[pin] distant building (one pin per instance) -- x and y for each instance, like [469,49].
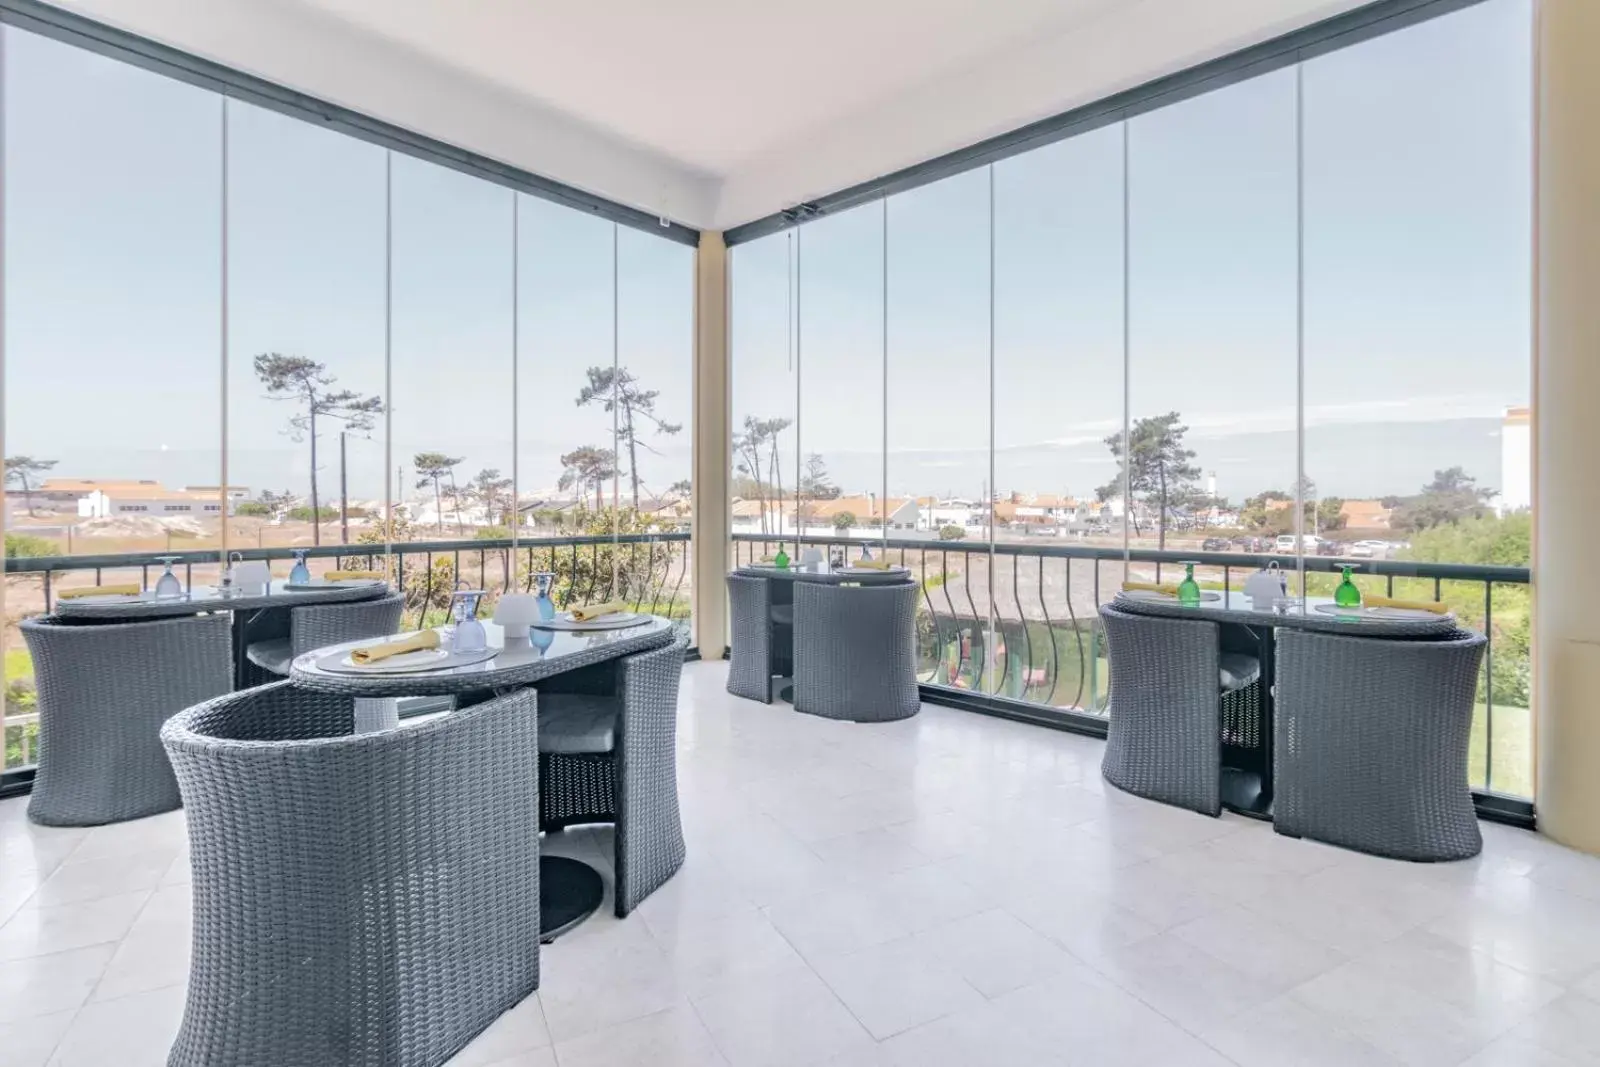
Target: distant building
[1364,515]
[148,499]
[1516,461]
[236,493]
[902,511]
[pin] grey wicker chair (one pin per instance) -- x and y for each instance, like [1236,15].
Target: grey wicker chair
[855,651]
[1371,743]
[750,652]
[608,752]
[320,625]
[359,899]
[1164,739]
[104,689]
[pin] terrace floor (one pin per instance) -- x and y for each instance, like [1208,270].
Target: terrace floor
[952,889]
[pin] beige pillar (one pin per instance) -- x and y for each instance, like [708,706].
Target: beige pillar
[711,447]
[1566,398]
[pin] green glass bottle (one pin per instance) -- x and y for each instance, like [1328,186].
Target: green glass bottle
[1189,589]
[1347,595]
[781,559]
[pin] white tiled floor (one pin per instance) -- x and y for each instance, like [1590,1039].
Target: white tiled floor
[948,890]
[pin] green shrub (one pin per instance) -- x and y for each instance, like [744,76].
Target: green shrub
[23,545]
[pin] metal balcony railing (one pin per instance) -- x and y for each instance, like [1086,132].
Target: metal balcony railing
[649,571]
[1013,628]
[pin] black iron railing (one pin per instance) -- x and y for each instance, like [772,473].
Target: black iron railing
[1013,628]
[648,571]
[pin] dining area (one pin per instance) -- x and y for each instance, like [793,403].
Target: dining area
[844,631]
[365,803]
[1344,719]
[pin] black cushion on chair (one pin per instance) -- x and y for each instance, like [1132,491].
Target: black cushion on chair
[270,655]
[577,724]
[1238,671]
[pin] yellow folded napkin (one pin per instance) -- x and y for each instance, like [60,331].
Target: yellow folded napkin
[99,590]
[375,653]
[1170,588]
[353,576]
[594,611]
[1413,605]
[872,564]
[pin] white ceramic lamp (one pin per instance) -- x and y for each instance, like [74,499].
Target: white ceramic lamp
[516,610]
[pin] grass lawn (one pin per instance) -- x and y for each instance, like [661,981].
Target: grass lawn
[18,664]
[1513,750]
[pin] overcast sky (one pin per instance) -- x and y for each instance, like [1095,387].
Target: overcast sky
[1416,267]
[1416,272]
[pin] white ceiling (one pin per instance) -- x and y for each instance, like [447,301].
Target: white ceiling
[710,112]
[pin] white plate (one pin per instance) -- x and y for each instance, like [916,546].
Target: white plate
[423,659]
[1378,613]
[1164,598]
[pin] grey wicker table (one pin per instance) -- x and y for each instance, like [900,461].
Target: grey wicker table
[206,598]
[1235,607]
[827,573]
[781,597]
[567,895]
[1247,758]
[246,608]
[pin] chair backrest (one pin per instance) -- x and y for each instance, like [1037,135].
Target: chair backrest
[751,602]
[882,609]
[316,626]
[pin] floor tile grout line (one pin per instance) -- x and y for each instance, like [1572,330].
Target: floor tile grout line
[120,941]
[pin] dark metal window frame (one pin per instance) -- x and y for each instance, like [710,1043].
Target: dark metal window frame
[1330,35]
[92,36]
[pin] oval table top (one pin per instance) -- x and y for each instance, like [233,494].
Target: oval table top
[524,656]
[827,573]
[1236,607]
[205,598]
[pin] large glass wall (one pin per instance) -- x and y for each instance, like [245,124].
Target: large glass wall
[230,329]
[1286,319]
[1417,362]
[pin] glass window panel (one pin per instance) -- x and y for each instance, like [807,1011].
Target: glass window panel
[1058,395]
[655,354]
[306,319]
[113,342]
[764,392]
[1213,252]
[938,412]
[451,366]
[841,379]
[1417,365]
[565,332]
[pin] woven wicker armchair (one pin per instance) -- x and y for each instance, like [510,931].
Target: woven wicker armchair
[104,690]
[317,626]
[1371,743]
[1164,740]
[608,742]
[359,899]
[750,653]
[855,651]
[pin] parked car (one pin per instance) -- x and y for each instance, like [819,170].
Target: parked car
[1326,547]
[1369,549]
[1252,544]
[1215,544]
[1284,544]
